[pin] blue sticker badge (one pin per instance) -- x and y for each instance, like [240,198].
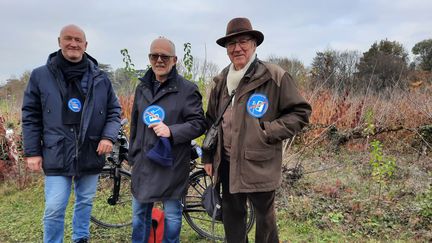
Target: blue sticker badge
[199,151]
[74,105]
[257,105]
[153,114]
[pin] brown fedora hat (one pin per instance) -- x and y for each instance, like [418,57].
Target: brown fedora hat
[240,26]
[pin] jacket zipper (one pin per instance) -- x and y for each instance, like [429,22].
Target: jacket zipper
[76,150]
[78,134]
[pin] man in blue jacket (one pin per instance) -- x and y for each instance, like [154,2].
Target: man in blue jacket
[70,119]
[166,115]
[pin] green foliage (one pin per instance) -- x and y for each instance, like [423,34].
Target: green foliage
[131,73]
[424,51]
[384,66]
[369,121]
[188,60]
[425,203]
[426,133]
[11,94]
[188,63]
[336,217]
[130,67]
[383,166]
[323,68]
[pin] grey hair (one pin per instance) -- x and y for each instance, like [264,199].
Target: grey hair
[173,49]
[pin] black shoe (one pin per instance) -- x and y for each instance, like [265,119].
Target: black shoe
[83,240]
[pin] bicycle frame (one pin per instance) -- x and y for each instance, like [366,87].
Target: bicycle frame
[115,181]
[116,158]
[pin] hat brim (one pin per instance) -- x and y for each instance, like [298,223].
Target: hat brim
[259,37]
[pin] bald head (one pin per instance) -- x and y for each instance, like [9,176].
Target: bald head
[162,58]
[162,41]
[72,42]
[74,28]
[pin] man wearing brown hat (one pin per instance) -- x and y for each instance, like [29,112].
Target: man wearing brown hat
[265,110]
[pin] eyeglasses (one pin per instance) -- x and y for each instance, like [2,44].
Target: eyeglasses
[242,42]
[155,57]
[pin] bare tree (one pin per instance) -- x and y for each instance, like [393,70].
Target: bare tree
[336,68]
[201,69]
[293,66]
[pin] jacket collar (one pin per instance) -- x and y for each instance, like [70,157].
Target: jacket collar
[255,76]
[249,73]
[94,70]
[170,85]
[93,62]
[150,76]
[92,75]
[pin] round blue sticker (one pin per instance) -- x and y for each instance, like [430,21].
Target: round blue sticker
[74,105]
[257,105]
[153,114]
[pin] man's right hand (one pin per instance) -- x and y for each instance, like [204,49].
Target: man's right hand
[208,169]
[34,163]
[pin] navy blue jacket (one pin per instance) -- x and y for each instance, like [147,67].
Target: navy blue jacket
[182,103]
[66,149]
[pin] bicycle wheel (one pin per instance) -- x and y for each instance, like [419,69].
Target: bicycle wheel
[107,214]
[196,216]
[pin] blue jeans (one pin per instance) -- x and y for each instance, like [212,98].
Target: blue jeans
[57,192]
[141,221]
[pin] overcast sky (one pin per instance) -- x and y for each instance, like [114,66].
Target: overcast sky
[294,29]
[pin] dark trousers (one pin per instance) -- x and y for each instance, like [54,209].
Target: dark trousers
[234,213]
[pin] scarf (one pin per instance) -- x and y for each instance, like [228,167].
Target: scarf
[234,76]
[74,99]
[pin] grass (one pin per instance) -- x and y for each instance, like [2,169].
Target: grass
[344,200]
[21,212]
[333,205]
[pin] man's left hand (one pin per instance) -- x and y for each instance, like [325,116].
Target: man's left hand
[161,129]
[104,147]
[208,169]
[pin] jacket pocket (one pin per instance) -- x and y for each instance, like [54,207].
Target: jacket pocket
[53,152]
[256,137]
[90,159]
[259,166]
[259,154]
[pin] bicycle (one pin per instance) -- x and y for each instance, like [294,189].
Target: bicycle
[112,205]
[194,212]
